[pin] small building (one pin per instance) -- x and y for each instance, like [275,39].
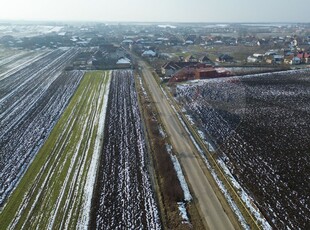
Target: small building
[251,59]
[123,62]
[191,58]
[271,53]
[225,58]
[295,61]
[274,59]
[259,56]
[278,59]
[255,58]
[269,59]
[169,68]
[189,42]
[206,60]
[288,59]
[172,67]
[206,73]
[148,53]
[127,42]
[198,72]
[304,57]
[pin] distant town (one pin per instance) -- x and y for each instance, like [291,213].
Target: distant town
[170,48]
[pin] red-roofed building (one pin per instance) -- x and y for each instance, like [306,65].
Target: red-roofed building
[304,57]
[196,72]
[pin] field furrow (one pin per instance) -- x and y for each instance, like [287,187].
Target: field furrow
[124,197]
[258,126]
[31,102]
[53,193]
[15,63]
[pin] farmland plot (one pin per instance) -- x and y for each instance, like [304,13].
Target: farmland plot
[10,64]
[261,127]
[15,63]
[124,198]
[31,101]
[56,191]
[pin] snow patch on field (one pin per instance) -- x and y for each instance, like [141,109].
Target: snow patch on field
[180,175]
[126,198]
[232,204]
[245,197]
[183,212]
[31,102]
[142,87]
[187,195]
[211,147]
[161,131]
[274,104]
[91,175]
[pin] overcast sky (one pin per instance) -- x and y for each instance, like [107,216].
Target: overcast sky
[158,10]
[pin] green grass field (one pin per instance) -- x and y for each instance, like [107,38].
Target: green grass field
[56,190]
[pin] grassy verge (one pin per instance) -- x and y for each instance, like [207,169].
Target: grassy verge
[51,193]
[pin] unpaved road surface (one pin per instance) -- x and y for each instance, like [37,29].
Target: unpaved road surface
[211,209]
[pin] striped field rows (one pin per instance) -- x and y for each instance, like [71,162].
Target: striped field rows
[56,190]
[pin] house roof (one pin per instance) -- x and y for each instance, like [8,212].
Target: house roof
[205,59]
[178,65]
[127,41]
[149,52]
[123,61]
[190,57]
[303,55]
[278,56]
[171,65]
[225,56]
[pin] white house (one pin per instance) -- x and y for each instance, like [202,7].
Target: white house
[127,42]
[189,42]
[259,56]
[123,60]
[252,59]
[149,53]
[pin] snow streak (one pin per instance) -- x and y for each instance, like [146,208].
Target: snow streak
[125,196]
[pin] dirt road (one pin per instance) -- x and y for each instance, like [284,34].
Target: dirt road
[211,209]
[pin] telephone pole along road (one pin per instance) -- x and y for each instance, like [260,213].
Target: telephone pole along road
[210,208]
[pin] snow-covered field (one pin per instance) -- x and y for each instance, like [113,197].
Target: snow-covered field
[259,125]
[12,61]
[24,30]
[58,187]
[31,101]
[124,196]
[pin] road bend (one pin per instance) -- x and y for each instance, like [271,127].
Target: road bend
[210,207]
